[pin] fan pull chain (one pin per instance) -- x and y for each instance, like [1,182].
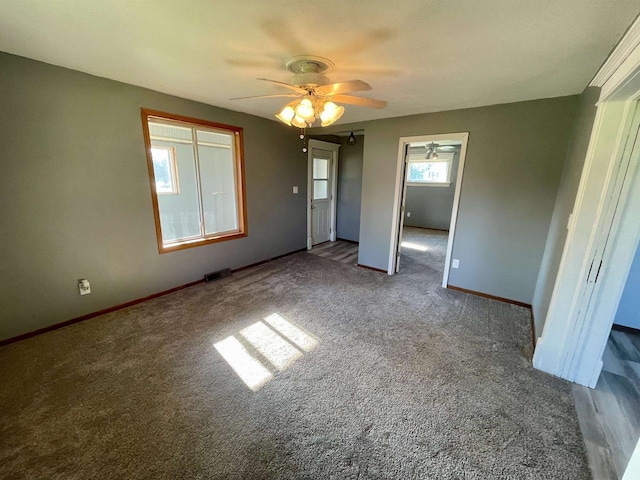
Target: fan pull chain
[304,141]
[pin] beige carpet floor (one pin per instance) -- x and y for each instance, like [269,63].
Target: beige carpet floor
[301,368]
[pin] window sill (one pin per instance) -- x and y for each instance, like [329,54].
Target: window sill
[424,184]
[172,247]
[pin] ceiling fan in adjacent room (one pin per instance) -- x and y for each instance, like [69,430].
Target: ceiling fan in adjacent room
[433,148]
[315,97]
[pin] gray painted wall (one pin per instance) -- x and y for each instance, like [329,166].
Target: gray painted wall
[508,192]
[628,314]
[76,200]
[431,207]
[349,189]
[564,202]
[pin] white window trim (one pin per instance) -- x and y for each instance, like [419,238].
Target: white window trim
[420,158]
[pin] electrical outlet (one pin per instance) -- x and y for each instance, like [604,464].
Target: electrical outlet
[84,286]
[455,263]
[295,189]
[408,214]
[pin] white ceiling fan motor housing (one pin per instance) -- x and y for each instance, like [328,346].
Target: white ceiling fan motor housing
[309,70]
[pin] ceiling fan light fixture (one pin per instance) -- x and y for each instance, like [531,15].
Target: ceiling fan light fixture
[331,113]
[298,121]
[305,110]
[329,108]
[286,114]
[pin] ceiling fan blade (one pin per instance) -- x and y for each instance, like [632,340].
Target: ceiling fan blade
[359,101]
[286,85]
[344,87]
[267,96]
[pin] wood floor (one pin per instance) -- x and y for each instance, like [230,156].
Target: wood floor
[340,251]
[609,415]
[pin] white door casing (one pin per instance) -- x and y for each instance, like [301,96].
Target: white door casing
[322,192]
[403,207]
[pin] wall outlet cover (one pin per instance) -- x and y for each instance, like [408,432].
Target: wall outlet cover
[84,287]
[295,189]
[408,214]
[455,263]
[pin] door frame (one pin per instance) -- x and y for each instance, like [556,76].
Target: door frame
[577,327]
[402,208]
[334,148]
[403,142]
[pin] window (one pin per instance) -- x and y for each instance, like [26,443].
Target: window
[321,178]
[434,172]
[197,180]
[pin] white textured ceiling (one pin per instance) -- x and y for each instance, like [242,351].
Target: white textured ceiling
[420,56]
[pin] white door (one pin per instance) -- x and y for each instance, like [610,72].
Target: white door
[321,193]
[403,201]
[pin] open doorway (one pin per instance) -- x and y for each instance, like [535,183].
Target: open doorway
[322,192]
[430,172]
[344,179]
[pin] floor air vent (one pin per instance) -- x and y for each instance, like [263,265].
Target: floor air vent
[210,277]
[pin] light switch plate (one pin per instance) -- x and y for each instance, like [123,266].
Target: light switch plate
[295,189]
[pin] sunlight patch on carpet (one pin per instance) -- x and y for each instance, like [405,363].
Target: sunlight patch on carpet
[281,343]
[293,333]
[248,368]
[275,348]
[414,246]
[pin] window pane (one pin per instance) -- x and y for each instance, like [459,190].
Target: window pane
[320,168]
[180,213]
[428,172]
[217,177]
[163,169]
[320,189]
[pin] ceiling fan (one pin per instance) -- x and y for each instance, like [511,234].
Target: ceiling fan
[314,95]
[433,148]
